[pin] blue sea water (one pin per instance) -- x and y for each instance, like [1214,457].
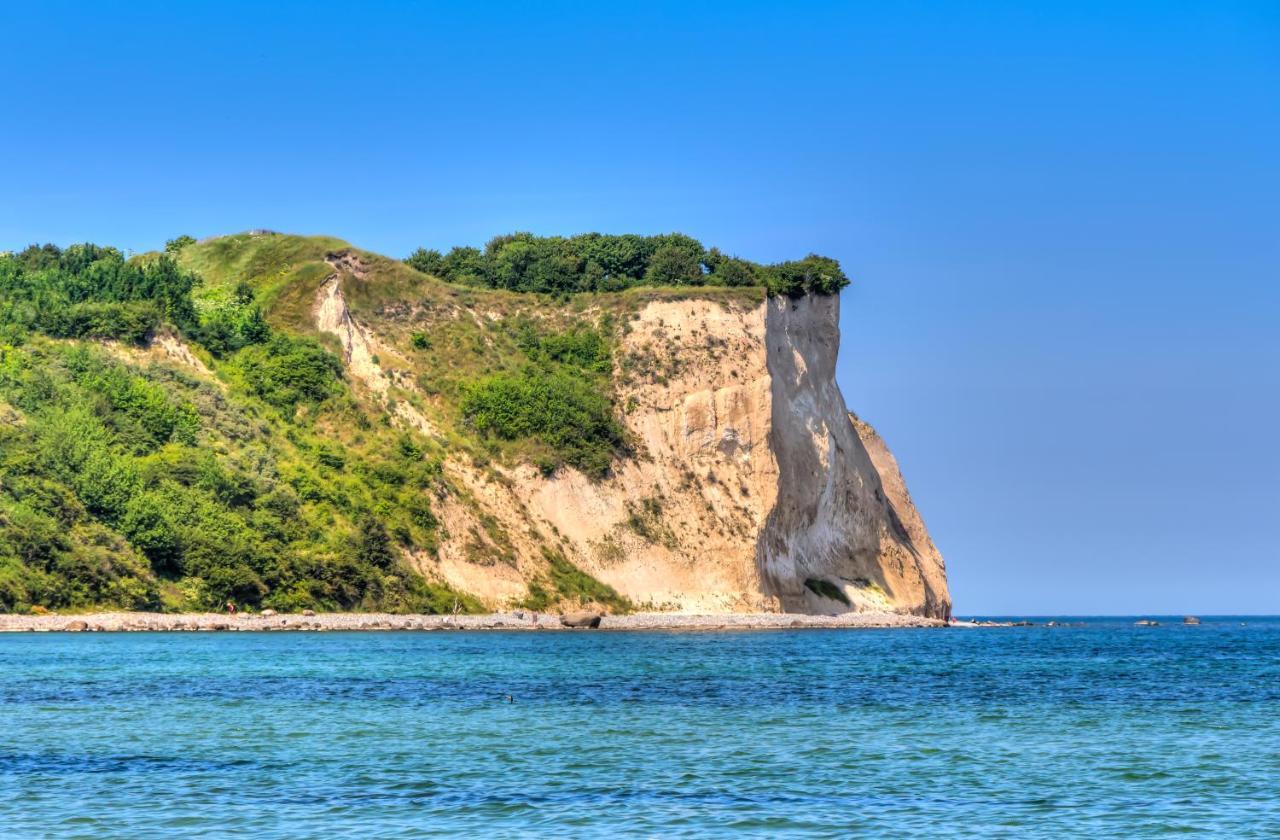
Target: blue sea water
[1104,729]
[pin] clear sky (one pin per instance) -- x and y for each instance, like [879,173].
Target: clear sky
[1062,219]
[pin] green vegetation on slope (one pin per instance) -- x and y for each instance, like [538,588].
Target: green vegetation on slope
[144,487]
[595,262]
[566,583]
[529,388]
[270,274]
[561,398]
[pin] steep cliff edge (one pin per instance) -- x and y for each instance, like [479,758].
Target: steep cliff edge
[843,531]
[748,486]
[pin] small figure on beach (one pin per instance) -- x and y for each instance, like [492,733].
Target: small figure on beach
[231,608]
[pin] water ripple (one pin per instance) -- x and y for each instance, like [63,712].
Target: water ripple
[1102,729]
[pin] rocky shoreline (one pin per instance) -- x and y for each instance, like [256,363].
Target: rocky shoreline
[519,620]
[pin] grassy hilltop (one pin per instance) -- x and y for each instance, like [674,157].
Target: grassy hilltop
[175,432]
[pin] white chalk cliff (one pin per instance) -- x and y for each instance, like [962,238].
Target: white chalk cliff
[751,487]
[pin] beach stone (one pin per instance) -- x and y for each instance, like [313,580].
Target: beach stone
[267,613]
[76,626]
[308,612]
[581,619]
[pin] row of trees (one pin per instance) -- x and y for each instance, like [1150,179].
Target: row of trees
[88,291]
[594,262]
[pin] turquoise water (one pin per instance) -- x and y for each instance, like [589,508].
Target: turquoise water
[1105,729]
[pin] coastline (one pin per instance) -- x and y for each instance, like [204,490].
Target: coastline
[506,621]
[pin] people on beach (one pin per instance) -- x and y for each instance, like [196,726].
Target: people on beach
[231,608]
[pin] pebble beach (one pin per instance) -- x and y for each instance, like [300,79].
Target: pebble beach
[519,620]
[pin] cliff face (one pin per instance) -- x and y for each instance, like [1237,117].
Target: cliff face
[843,530]
[328,428]
[751,487]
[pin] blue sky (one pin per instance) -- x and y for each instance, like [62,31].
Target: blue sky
[1062,219]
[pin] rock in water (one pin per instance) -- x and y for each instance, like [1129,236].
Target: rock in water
[581,619]
[76,626]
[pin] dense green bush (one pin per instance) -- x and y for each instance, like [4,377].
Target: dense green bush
[231,323]
[427,260]
[678,261]
[560,400]
[565,411]
[290,370]
[131,322]
[813,274]
[143,489]
[580,346]
[601,262]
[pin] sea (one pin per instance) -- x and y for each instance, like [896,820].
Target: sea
[1098,728]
